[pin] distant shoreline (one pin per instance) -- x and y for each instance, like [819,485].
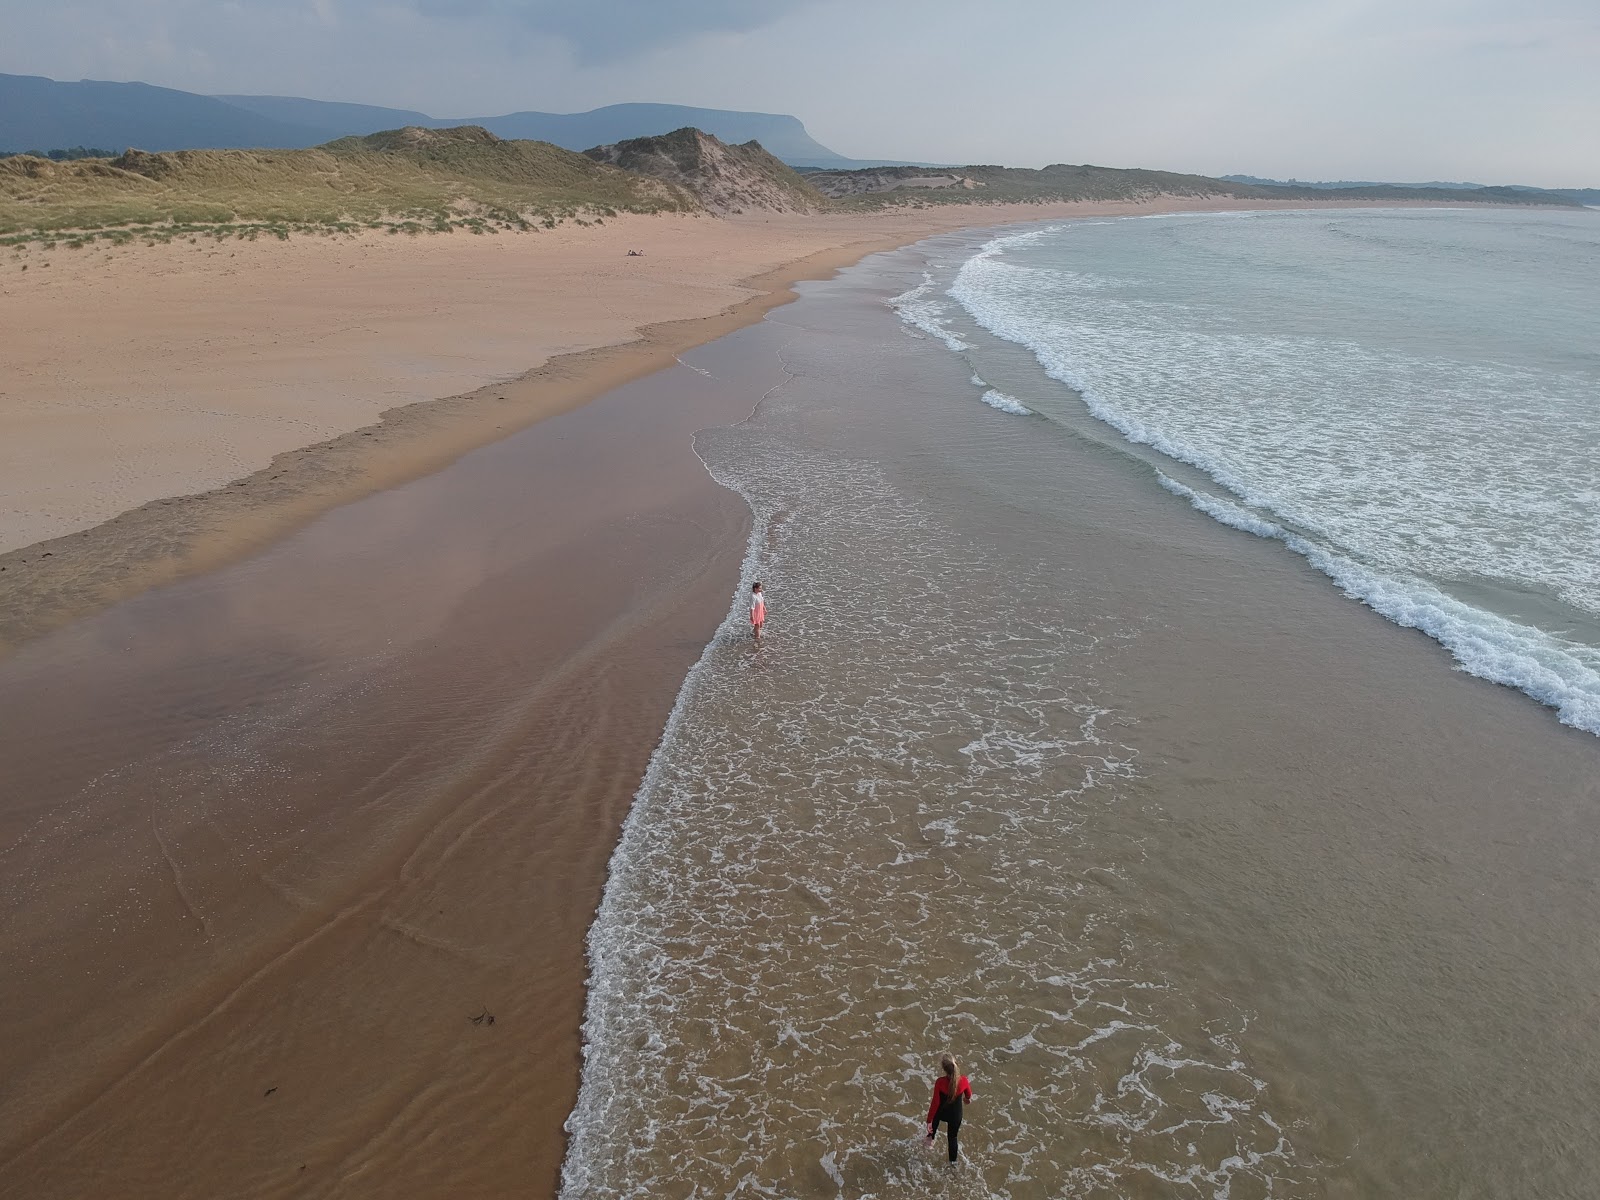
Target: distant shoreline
[170,409]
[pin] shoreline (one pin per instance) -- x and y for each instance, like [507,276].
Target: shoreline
[427,850]
[1314,802]
[339,799]
[47,583]
[175,537]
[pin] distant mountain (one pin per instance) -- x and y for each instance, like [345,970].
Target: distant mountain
[1589,196]
[332,118]
[40,114]
[783,136]
[780,135]
[43,114]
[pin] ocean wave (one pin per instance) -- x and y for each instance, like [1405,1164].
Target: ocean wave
[1390,489]
[1484,644]
[812,812]
[1005,403]
[920,307]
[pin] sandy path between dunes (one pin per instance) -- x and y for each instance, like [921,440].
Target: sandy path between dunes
[203,370]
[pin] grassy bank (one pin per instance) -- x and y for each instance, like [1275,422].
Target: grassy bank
[406,181]
[422,180]
[888,187]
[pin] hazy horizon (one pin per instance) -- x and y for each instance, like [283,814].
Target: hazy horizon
[1485,91]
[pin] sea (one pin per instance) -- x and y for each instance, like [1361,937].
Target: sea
[1411,400]
[1179,702]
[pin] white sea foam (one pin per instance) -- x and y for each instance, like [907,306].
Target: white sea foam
[1376,458]
[1006,403]
[1484,644]
[924,308]
[814,815]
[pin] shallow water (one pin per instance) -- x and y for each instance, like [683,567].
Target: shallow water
[1028,768]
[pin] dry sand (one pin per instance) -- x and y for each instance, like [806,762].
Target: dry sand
[135,376]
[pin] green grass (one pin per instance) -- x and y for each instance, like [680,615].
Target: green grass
[1064,182]
[1015,185]
[410,179]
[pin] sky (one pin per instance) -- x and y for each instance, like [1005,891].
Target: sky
[1491,91]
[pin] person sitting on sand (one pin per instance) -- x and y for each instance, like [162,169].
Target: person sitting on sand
[949,1092]
[758,609]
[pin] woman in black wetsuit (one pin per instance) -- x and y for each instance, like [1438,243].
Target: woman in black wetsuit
[951,1092]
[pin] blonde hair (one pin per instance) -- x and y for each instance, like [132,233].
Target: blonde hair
[948,1062]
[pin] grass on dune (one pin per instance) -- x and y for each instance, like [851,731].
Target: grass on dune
[408,180]
[1066,182]
[1061,182]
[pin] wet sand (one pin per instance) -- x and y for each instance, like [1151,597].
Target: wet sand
[299,855]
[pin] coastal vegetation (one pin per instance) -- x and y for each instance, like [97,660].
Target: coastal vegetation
[881,187]
[1395,191]
[884,186]
[70,154]
[408,180]
[1589,197]
[416,179]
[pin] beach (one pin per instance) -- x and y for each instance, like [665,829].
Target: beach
[316,775]
[1217,880]
[150,944]
[165,409]
[264,903]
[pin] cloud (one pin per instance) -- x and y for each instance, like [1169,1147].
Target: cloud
[603,31]
[1491,90]
[1569,35]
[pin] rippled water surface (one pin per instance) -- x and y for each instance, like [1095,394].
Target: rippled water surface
[827,867]
[1411,398]
[1039,765]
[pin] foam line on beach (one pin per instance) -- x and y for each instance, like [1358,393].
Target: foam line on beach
[770,888]
[1005,403]
[1561,673]
[607,1024]
[1488,646]
[920,307]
